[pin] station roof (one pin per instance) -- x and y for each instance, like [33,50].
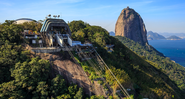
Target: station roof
[54,22]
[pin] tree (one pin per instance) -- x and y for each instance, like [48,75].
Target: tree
[10,54]
[11,90]
[29,74]
[64,96]
[38,27]
[41,90]
[8,22]
[40,21]
[97,97]
[72,90]
[30,78]
[34,26]
[99,39]
[76,25]
[79,35]
[79,94]
[11,33]
[58,86]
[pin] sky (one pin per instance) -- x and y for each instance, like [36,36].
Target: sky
[158,15]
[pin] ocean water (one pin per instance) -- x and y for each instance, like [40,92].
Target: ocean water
[174,49]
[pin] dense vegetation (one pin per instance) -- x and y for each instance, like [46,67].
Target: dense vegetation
[82,31]
[23,77]
[144,77]
[175,71]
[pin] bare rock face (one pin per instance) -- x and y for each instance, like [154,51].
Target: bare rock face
[131,25]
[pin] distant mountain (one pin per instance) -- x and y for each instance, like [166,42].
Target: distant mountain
[173,37]
[154,36]
[181,35]
[131,25]
[111,33]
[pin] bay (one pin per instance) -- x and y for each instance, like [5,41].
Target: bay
[174,49]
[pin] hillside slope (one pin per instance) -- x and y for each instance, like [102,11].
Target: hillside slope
[152,82]
[144,77]
[175,71]
[25,76]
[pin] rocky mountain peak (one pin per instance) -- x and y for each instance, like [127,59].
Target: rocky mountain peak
[131,25]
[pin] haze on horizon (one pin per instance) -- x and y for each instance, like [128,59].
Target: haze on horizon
[158,15]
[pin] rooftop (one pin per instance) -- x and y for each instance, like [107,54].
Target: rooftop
[25,19]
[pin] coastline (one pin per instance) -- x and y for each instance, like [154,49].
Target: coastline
[174,49]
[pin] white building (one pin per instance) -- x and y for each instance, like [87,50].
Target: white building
[22,20]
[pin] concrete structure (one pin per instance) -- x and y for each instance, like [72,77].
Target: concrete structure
[110,48]
[33,38]
[76,43]
[44,49]
[54,36]
[53,26]
[56,32]
[22,20]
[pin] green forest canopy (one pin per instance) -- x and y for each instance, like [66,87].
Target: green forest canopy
[146,74]
[175,71]
[34,81]
[23,77]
